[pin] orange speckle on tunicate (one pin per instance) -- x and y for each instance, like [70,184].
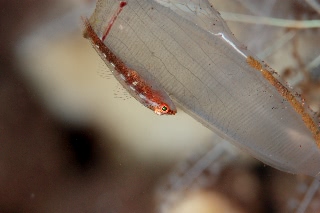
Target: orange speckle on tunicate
[285,93]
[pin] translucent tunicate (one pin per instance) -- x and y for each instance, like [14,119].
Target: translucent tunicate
[189,49]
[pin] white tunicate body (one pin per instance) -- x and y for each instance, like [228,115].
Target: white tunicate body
[188,48]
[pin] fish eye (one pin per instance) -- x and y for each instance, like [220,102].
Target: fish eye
[164,108]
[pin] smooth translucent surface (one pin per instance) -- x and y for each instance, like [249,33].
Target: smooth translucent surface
[190,50]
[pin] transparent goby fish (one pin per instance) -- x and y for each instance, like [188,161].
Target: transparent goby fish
[188,48]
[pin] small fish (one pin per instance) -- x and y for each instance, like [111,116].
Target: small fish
[146,90]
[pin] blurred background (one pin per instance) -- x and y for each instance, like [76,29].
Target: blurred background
[72,140]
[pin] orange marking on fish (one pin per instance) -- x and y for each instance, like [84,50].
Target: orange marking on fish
[145,92]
